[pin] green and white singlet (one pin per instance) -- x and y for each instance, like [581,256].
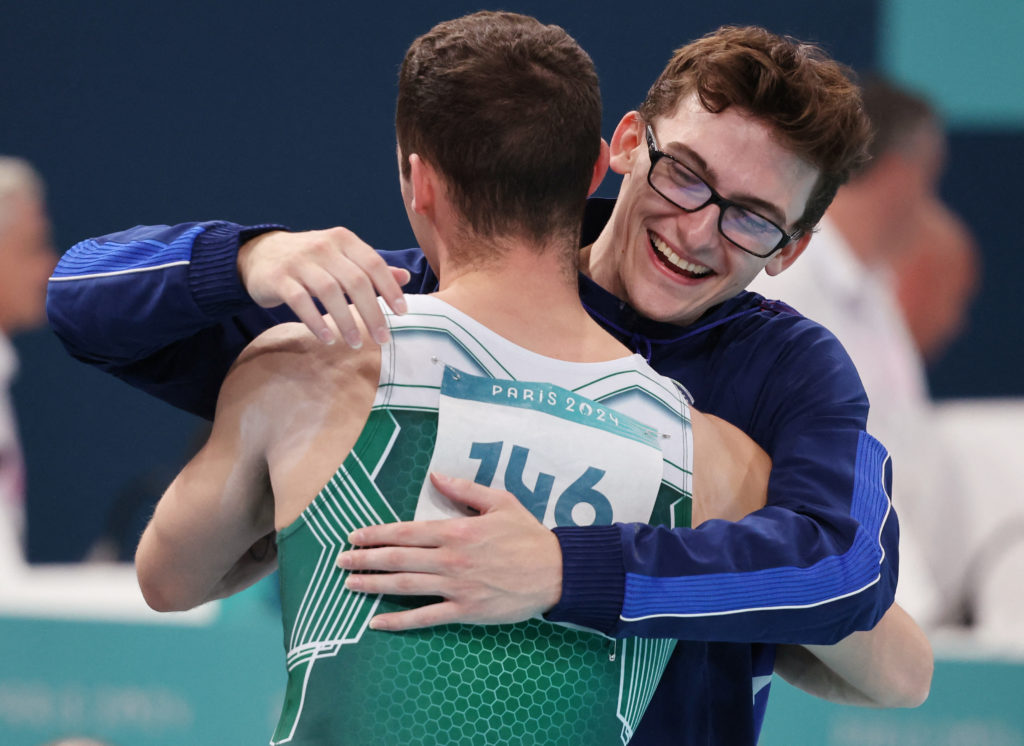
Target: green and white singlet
[606,442]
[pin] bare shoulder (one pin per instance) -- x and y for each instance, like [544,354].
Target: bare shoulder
[289,355]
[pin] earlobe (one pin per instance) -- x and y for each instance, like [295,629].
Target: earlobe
[421,179]
[787,255]
[625,140]
[600,168]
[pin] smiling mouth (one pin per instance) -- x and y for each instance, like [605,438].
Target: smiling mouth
[675,262]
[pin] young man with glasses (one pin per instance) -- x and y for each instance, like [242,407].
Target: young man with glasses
[667,278]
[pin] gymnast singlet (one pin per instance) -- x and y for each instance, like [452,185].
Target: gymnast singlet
[577,444]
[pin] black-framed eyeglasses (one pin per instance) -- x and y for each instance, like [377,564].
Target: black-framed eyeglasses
[744,228]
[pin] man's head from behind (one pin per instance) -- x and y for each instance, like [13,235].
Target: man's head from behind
[508,111]
[26,251]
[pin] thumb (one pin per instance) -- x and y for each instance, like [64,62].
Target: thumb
[463,491]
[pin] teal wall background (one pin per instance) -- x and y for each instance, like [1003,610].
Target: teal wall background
[967,57]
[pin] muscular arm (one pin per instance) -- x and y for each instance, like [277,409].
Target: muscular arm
[289,411]
[207,536]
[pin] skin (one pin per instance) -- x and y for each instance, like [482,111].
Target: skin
[328,265]
[936,277]
[26,260]
[738,156]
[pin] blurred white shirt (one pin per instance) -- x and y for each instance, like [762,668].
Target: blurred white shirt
[12,465]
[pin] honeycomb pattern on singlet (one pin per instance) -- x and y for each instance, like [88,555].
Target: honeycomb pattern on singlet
[508,697]
[528,683]
[407,466]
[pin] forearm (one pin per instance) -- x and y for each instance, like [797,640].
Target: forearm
[179,571]
[778,576]
[212,531]
[161,307]
[888,666]
[122,296]
[175,572]
[168,309]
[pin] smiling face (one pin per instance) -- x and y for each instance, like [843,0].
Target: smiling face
[671,265]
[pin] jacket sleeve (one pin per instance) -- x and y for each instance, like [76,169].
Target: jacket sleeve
[163,308]
[817,563]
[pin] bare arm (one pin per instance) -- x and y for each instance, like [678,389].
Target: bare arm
[288,412]
[207,537]
[888,666]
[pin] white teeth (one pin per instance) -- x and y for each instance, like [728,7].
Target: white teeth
[665,251]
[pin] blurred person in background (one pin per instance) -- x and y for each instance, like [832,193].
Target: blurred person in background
[936,275]
[26,259]
[886,214]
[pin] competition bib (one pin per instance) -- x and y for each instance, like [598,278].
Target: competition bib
[570,460]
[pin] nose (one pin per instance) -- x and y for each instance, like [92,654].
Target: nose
[701,227]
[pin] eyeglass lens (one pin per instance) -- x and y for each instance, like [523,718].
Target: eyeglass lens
[684,188]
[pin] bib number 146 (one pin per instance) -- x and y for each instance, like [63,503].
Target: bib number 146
[569,507]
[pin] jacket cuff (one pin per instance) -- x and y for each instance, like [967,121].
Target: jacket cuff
[213,270]
[593,577]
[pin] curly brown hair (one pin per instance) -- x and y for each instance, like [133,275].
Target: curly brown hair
[811,102]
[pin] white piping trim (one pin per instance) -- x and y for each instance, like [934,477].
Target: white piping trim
[881,547]
[121,272]
[755,608]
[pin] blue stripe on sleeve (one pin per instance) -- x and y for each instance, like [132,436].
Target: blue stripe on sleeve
[93,257]
[828,580]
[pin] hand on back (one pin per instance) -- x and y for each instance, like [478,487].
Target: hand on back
[333,266]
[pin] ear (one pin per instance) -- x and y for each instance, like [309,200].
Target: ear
[423,182]
[600,168]
[787,255]
[626,139]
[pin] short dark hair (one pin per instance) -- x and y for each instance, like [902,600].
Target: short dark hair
[509,110]
[896,114]
[811,102]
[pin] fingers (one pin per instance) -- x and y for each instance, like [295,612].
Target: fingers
[401,277]
[466,492]
[404,534]
[321,282]
[333,266]
[444,612]
[391,559]
[396,584]
[355,270]
[301,302]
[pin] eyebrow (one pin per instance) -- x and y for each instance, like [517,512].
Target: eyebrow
[750,201]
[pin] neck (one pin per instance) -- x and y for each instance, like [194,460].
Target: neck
[532,299]
[600,260]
